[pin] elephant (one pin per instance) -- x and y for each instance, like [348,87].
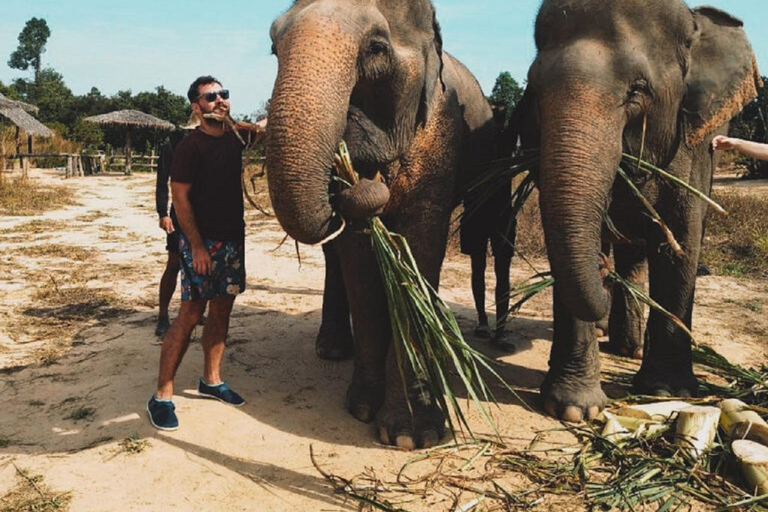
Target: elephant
[632,76]
[417,124]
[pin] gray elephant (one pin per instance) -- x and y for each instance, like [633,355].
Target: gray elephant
[606,73]
[414,119]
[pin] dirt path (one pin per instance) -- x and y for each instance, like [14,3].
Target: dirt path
[78,360]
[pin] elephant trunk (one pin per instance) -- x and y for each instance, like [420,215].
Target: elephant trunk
[307,119]
[580,152]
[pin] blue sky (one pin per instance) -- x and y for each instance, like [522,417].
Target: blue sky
[141,44]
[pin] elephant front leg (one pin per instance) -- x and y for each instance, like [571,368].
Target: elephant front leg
[334,340]
[625,329]
[370,319]
[667,367]
[571,391]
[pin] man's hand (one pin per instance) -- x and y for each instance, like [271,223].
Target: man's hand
[166,224]
[201,261]
[721,143]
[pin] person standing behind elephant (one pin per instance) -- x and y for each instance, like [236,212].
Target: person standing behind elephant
[208,198]
[492,220]
[749,148]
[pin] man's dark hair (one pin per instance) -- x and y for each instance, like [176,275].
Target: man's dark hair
[193,93]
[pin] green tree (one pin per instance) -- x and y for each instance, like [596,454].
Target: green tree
[32,40]
[50,94]
[507,92]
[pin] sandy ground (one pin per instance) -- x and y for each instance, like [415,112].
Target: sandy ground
[74,380]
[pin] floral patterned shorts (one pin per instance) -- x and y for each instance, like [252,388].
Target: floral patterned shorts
[227,277]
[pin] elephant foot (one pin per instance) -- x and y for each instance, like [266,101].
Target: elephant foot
[420,426]
[666,383]
[334,343]
[571,401]
[622,349]
[364,401]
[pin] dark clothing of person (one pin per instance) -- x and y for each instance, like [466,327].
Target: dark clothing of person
[213,165]
[492,220]
[172,239]
[161,185]
[161,195]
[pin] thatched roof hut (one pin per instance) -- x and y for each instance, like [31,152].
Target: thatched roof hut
[8,103]
[18,113]
[129,119]
[31,126]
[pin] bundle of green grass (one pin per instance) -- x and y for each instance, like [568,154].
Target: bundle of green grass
[425,332]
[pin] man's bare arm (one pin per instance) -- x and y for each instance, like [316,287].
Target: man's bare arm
[201,260]
[747,147]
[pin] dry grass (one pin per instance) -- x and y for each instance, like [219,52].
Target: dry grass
[89,217]
[62,307]
[31,494]
[24,196]
[47,251]
[36,227]
[737,244]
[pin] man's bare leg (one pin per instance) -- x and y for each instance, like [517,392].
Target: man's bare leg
[215,336]
[175,344]
[168,283]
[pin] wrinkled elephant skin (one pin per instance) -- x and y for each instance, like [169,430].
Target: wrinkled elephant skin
[373,74]
[604,71]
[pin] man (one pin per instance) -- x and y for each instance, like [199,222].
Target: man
[208,199]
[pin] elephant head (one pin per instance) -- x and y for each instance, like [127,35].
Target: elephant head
[606,72]
[361,71]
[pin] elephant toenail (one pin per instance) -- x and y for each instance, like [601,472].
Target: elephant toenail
[592,412]
[362,413]
[550,408]
[663,392]
[572,414]
[405,442]
[684,393]
[384,436]
[429,438]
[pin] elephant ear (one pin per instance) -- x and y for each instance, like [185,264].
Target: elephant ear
[433,61]
[723,75]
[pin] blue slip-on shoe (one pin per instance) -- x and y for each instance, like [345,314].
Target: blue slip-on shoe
[161,414]
[220,392]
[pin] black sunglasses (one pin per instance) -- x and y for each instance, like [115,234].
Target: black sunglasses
[210,97]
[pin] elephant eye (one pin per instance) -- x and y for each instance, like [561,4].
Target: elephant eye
[638,89]
[377,47]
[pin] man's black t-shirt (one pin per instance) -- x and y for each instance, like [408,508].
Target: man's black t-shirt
[212,165]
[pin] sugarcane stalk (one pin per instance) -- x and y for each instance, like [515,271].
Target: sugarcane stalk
[738,421]
[655,217]
[658,411]
[696,428]
[753,458]
[674,179]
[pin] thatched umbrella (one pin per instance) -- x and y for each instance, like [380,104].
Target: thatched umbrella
[129,119]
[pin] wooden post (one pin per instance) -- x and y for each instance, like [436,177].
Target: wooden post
[69,167]
[17,138]
[128,152]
